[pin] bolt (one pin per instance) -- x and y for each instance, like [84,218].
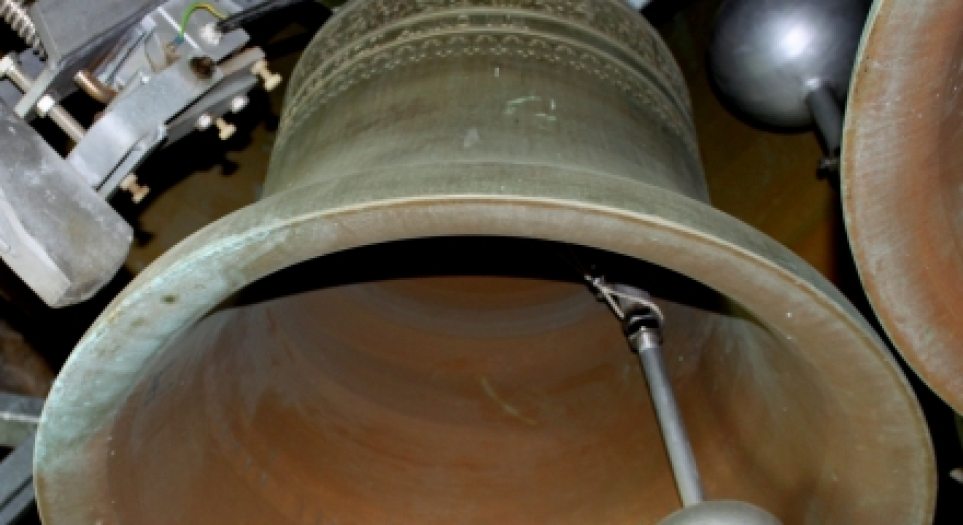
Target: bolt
[225,130]
[238,103]
[132,186]
[203,67]
[210,34]
[7,63]
[271,80]
[204,122]
[45,104]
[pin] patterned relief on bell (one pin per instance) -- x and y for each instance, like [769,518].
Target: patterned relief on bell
[319,88]
[348,31]
[449,23]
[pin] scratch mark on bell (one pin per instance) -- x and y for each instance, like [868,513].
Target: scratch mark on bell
[506,407]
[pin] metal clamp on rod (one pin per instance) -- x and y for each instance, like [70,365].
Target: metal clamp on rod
[642,323]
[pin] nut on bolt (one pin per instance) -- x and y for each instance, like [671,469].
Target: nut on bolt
[45,104]
[238,103]
[204,122]
[210,34]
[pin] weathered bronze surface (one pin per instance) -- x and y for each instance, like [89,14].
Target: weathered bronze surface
[903,183]
[430,354]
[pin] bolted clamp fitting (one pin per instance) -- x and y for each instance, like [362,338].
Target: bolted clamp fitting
[643,328]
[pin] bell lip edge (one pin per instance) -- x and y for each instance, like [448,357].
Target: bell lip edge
[146,289]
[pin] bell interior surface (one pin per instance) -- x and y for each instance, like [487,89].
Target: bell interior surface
[400,331]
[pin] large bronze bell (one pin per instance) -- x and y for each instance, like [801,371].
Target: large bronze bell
[400,331]
[903,183]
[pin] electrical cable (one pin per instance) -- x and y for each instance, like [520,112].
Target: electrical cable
[191,9]
[242,18]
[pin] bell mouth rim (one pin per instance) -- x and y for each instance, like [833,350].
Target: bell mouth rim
[307,222]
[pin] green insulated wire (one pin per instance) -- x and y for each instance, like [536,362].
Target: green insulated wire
[191,9]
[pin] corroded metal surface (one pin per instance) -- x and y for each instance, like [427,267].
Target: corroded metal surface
[903,183]
[414,365]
